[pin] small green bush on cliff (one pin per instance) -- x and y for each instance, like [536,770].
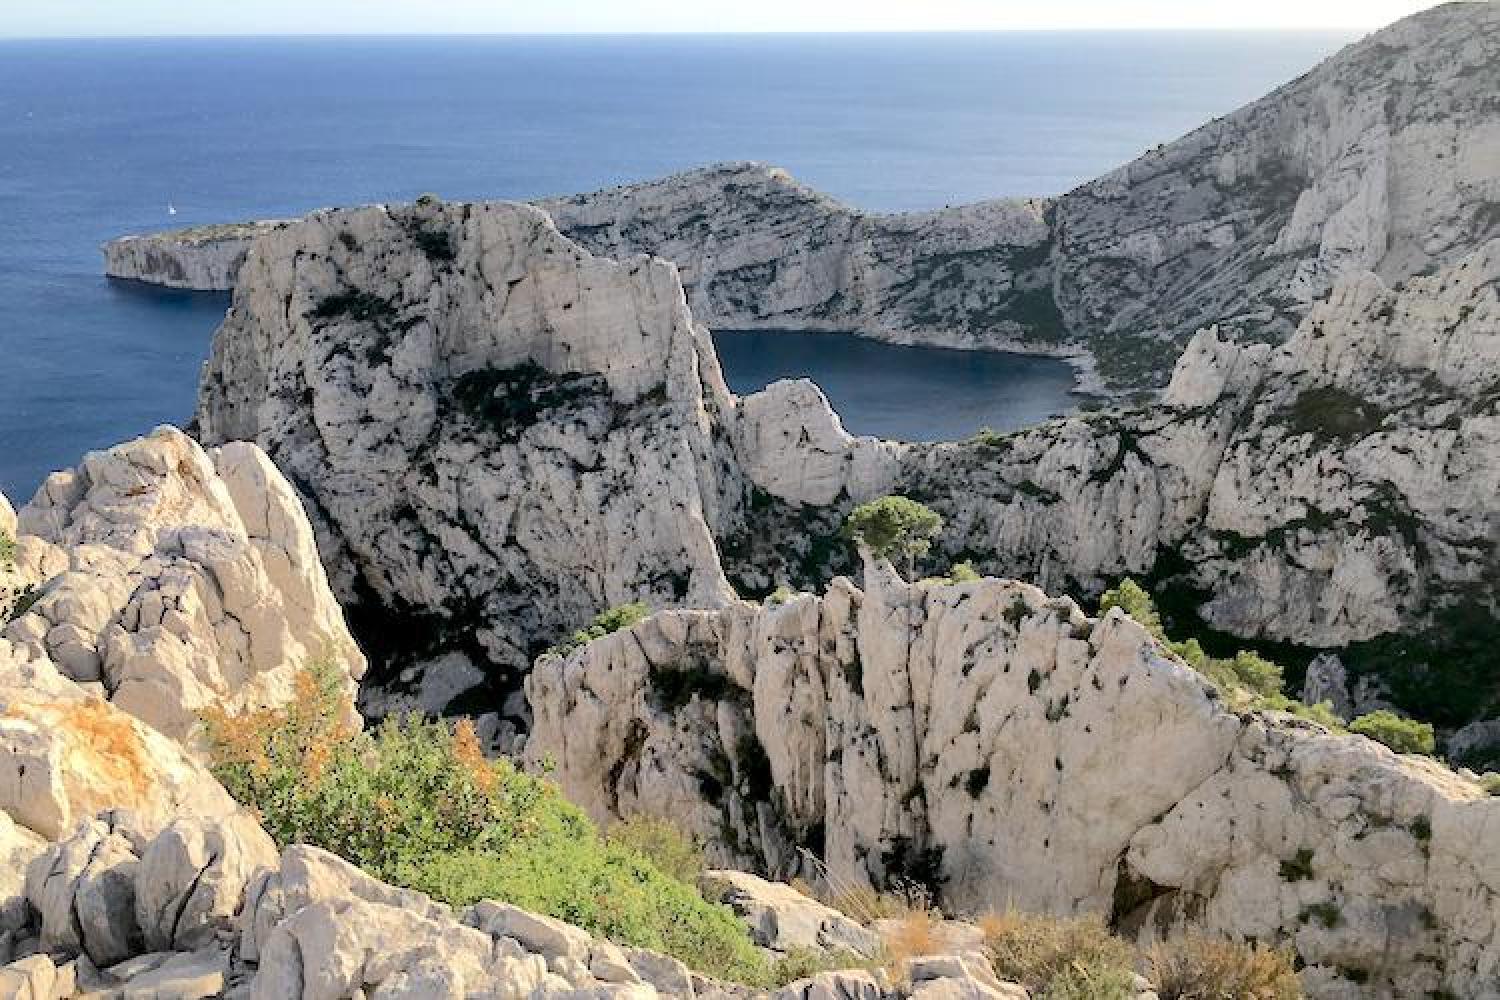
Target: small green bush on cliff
[416,803]
[7,549]
[611,620]
[1401,735]
[1249,675]
[666,844]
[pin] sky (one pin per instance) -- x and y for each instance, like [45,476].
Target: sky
[71,18]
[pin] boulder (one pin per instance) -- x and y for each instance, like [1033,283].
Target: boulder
[782,919]
[191,580]
[192,879]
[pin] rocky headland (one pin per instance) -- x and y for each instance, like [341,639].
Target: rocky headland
[1384,158]
[201,258]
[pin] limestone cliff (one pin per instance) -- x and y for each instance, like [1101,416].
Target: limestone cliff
[1384,158]
[206,258]
[499,433]
[757,249]
[999,743]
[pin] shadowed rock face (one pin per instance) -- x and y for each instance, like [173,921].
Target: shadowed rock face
[1002,745]
[1384,158]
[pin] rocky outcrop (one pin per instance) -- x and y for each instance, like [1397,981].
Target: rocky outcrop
[168,580]
[1330,490]
[784,920]
[759,250]
[1384,158]
[114,921]
[1003,746]
[499,433]
[206,258]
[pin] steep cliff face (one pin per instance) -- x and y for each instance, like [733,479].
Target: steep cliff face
[206,258]
[1384,158]
[757,249]
[1000,743]
[1330,490]
[500,434]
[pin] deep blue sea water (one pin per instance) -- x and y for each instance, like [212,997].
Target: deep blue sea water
[893,392]
[98,137]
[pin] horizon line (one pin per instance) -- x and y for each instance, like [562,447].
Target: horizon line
[767,33]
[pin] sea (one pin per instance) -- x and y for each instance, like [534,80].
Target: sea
[100,138]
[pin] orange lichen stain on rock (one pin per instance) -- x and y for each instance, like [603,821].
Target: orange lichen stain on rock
[102,747]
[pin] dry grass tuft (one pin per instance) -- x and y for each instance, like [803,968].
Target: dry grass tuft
[1034,950]
[912,936]
[1195,966]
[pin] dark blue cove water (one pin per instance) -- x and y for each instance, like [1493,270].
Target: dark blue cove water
[98,137]
[903,393]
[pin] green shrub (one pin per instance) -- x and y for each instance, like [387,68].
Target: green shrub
[780,596]
[895,528]
[963,572]
[7,549]
[1401,735]
[988,437]
[1490,782]
[1131,598]
[612,620]
[565,871]
[1091,982]
[1245,673]
[417,804]
[804,963]
[664,843]
[1322,713]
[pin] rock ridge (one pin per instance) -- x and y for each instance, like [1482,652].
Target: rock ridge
[1004,747]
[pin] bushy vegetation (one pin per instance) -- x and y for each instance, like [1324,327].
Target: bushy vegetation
[895,528]
[1401,735]
[1036,950]
[663,843]
[417,804]
[7,549]
[611,620]
[1091,982]
[1247,678]
[959,572]
[780,596]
